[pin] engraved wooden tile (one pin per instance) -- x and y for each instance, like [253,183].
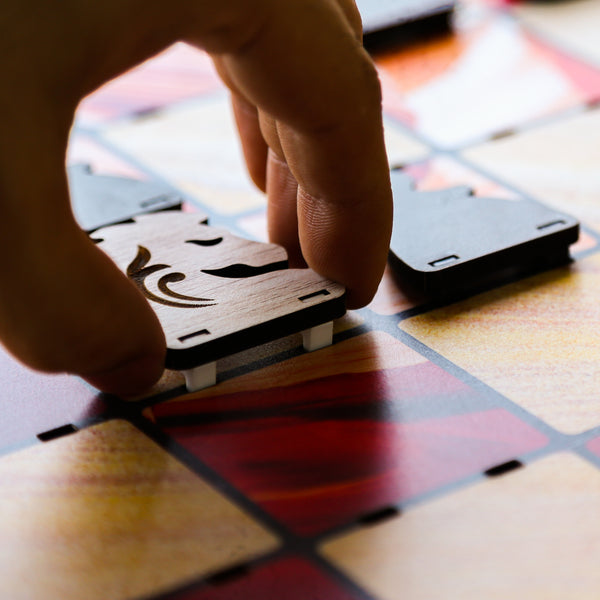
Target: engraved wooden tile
[214,293]
[106,513]
[535,341]
[533,533]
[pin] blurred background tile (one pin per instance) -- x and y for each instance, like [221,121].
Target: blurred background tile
[488,76]
[557,163]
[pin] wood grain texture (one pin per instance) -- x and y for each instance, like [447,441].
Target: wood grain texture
[531,534]
[106,513]
[216,294]
[534,341]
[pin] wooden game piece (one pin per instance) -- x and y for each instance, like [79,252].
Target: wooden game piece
[216,294]
[450,240]
[101,200]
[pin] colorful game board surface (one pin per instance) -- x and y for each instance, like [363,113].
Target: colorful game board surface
[435,450]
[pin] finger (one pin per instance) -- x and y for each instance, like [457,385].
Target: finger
[64,307]
[254,147]
[352,15]
[300,63]
[282,215]
[324,93]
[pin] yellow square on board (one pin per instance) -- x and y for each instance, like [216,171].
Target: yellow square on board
[535,341]
[533,534]
[557,163]
[401,148]
[195,148]
[107,514]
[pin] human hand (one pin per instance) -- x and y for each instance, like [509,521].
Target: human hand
[306,98]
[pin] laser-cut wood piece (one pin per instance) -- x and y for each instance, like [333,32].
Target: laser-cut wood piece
[450,240]
[216,294]
[101,200]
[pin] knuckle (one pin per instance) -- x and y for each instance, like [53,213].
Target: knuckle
[231,29]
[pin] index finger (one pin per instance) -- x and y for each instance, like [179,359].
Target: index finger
[302,65]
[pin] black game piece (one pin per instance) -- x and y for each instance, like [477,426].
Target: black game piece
[383,17]
[100,200]
[450,240]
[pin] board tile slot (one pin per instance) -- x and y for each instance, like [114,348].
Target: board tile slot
[442,262]
[504,468]
[313,295]
[551,224]
[59,432]
[189,336]
[389,512]
[226,576]
[153,201]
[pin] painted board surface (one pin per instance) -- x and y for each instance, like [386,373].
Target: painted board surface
[357,472]
[106,513]
[519,531]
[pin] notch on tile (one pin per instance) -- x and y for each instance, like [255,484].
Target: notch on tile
[442,262]
[228,575]
[506,467]
[384,514]
[59,432]
[190,336]
[552,224]
[313,295]
[503,133]
[162,199]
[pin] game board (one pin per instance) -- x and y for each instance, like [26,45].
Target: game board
[435,450]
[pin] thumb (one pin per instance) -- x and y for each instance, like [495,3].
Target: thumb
[64,306]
